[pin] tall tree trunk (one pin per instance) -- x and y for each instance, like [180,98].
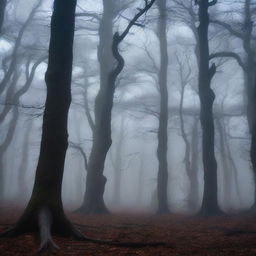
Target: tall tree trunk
[162,179]
[207,96]
[44,210]
[95,182]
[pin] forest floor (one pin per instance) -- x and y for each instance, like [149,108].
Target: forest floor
[213,236]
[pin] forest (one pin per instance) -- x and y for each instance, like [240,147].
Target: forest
[128,127]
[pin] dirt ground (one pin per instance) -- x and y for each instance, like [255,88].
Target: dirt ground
[226,235]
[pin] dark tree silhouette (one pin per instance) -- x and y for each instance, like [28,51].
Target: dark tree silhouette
[162,179]
[44,211]
[207,96]
[247,64]
[95,182]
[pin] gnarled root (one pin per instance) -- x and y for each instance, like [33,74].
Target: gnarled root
[45,223]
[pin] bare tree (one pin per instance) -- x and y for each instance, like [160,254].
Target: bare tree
[44,211]
[210,198]
[163,115]
[95,183]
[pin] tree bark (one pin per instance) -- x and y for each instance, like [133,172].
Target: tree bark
[207,96]
[95,182]
[162,178]
[44,211]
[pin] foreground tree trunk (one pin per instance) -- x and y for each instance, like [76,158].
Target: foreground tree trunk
[44,211]
[207,96]
[162,179]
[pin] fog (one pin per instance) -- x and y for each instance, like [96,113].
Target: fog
[132,158]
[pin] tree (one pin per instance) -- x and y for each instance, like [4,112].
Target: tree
[163,115]
[248,66]
[44,211]
[207,96]
[95,182]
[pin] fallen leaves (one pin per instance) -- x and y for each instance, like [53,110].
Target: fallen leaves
[234,235]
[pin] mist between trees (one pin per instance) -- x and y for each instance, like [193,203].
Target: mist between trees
[154,102]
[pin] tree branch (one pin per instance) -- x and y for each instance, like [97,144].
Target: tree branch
[229,55]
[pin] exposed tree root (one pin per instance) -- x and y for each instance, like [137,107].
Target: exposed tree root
[48,223]
[45,224]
